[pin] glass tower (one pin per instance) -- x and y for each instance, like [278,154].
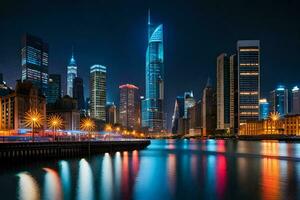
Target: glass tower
[71,74]
[152,105]
[34,61]
[279,100]
[98,92]
[248,52]
[263,109]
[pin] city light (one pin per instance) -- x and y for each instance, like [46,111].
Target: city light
[55,122]
[33,119]
[274,116]
[87,124]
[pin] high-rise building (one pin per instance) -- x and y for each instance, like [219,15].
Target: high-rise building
[223,92]
[98,92]
[54,88]
[248,52]
[189,102]
[129,101]
[111,113]
[34,61]
[263,109]
[234,95]
[178,113]
[279,100]
[208,110]
[295,100]
[78,92]
[194,117]
[152,106]
[71,74]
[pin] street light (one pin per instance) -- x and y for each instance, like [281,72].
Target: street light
[274,116]
[88,125]
[55,122]
[33,119]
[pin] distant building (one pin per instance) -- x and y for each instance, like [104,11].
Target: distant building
[71,75]
[223,92]
[34,61]
[248,57]
[78,92]
[279,100]
[194,117]
[152,105]
[209,115]
[14,106]
[98,92]
[54,88]
[234,95]
[189,102]
[295,100]
[111,113]
[263,109]
[129,102]
[67,108]
[178,113]
[4,89]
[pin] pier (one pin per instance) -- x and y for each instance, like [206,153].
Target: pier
[16,151]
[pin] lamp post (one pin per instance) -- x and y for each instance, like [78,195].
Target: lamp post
[33,119]
[88,125]
[55,122]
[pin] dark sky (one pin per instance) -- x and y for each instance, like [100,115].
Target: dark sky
[114,33]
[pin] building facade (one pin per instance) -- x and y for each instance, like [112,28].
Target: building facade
[234,95]
[279,100]
[97,92]
[178,113]
[54,88]
[189,102]
[248,52]
[34,61]
[111,113]
[295,100]
[263,109]
[152,105]
[129,102]
[71,74]
[223,92]
[78,92]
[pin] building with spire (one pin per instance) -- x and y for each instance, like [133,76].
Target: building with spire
[152,105]
[71,74]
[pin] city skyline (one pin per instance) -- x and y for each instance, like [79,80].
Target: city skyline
[92,48]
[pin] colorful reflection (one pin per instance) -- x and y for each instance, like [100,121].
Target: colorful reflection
[85,183]
[171,172]
[106,178]
[28,188]
[52,185]
[221,175]
[64,170]
[270,170]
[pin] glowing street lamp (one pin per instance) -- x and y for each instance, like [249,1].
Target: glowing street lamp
[88,125]
[33,119]
[55,122]
[274,116]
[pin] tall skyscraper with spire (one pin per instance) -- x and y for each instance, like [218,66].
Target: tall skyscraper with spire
[152,105]
[71,74]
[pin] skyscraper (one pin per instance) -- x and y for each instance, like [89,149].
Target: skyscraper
[129,101]
[279,100]
[248,52]
[54,88]
[111,113]
[34,61]
[98,92]
[223,92]
[152,106]
[78,92]
[71,74]
[189,102]
[178,113]
[234,95]
[295,100]
[263,109]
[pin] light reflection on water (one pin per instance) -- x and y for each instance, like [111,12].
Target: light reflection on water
[170,169]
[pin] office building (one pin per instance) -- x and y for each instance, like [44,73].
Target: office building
[189,102]
[111,113]
[129,111]
[54,88]
[234,95]
[97,92]
[223,92]
[178,113]
[248,57]
[263,109]
[279,100]
[295,100]
[71,75]
[34,61]
[152,105]
[78,92]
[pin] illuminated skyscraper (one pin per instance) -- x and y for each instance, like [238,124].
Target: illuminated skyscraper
[295,100]
[223,92]
[152,106]
[263,109]
[189,102]
[248,55]
[129,111]
[54,88]
[34,62]
[279,100]
[178,113]
[111,113]
[234,95]
[98,92]
[71,74]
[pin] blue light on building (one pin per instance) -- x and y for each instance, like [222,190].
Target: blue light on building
[263,109]
[152,105]
[279,100]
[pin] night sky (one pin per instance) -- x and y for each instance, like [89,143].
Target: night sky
[114,34]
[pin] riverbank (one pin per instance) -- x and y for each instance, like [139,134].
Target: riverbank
[18,151]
